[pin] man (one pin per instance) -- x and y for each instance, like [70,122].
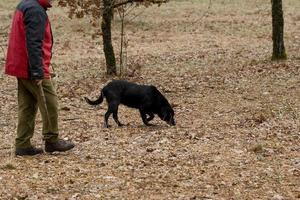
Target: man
[28,59]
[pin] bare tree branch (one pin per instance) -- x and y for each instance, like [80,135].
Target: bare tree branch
[3,41]
[205,13]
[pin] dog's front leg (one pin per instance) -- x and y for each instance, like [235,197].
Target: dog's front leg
[115,116]
[144,117]
[151,116]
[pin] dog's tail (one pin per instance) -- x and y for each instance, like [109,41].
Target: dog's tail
[97,101]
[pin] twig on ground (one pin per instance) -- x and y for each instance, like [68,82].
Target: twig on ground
[71,119]
[204,14]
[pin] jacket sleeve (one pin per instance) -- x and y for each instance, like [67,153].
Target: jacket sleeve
[35,25]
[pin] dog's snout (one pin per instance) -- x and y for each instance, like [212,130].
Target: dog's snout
[172,122]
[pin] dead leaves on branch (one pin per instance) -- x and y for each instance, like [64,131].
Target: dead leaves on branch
[93,8]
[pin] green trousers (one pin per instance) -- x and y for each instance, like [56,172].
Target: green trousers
[29,100]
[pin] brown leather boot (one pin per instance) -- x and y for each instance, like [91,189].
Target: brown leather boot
[59,145]
[29,151]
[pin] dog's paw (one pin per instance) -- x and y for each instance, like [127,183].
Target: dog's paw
[86,99]
[149,124]
[105,125]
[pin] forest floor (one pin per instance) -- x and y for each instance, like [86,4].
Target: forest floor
[237,112]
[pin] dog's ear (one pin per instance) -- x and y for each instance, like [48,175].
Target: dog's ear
[167,114]
[163,113]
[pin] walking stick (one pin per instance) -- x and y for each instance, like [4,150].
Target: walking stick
[44,104]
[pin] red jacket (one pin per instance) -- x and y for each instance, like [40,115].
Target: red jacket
[30,41]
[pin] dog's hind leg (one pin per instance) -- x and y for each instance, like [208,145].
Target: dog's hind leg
[106,116]
[115,116]
[113,108]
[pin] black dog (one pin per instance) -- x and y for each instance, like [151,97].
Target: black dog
[146,98]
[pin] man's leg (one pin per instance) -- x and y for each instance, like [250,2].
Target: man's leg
[27,109]
[50,130]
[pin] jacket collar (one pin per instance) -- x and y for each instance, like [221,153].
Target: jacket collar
[45,3]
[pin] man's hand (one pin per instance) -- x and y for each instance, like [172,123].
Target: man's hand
[38,81]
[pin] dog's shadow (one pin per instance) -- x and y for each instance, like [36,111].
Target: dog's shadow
[153,127]
[142,127]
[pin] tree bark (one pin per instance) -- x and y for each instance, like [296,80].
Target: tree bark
[111,68]
[278,30]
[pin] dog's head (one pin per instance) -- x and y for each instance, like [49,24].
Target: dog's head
[167,115]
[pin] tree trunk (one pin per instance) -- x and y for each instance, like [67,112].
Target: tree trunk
[278,27]
[106,34]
